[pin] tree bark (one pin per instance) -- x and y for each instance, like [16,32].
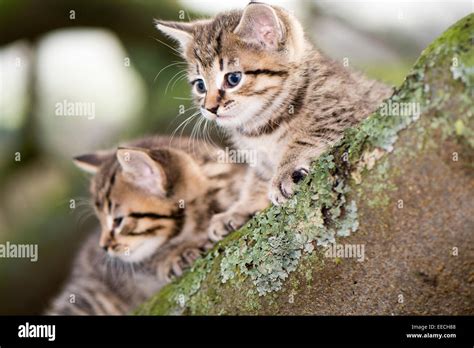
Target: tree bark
[398,187]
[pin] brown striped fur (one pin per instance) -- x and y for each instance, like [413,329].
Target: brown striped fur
[291,103]
[139,257]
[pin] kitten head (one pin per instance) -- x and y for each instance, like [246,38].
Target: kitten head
[238,61]
[138,196]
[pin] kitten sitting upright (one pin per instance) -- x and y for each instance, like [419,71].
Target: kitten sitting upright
[154,201]
[257,76]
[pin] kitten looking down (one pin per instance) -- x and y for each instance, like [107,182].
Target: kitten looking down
[154,201]
[256,75]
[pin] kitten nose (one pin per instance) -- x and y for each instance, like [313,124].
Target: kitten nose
[213,109]
[105,244]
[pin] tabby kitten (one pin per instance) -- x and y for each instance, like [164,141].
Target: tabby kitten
[256,75]
[154,202]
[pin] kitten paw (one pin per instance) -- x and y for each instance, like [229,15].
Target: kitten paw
[283,186]
[174,264]
[224,223]
[169,268]
[190,255]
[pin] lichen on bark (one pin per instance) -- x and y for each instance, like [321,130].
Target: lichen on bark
[277,259]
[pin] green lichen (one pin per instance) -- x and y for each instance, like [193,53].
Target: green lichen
[271,246]
[277,238]
[381,189]
[462,128]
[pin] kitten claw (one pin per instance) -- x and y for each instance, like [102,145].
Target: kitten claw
[277,197]
[224,223]
[283,187]
[176,271]
[190,255]
[175,264]
[281,191]
[299,174]
[230,226]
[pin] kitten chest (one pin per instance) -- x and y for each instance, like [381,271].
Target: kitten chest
[266,149]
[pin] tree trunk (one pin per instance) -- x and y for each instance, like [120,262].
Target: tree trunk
[397,191]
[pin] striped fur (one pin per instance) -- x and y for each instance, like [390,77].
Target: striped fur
[292,102]
[161,232]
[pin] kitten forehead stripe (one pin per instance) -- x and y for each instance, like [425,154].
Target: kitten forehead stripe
[219,46]
[150,230]
[196,55]
[150,215]
[266,72]
[109,189]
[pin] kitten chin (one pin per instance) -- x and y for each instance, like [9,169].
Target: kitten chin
[141,252]
[240,116]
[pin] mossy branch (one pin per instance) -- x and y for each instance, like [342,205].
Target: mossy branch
[393,179]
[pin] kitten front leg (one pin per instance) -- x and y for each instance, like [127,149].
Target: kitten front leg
[177,259]
[293,167]
[253,198]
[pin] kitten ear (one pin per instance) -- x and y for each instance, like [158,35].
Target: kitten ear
[141,170]
[91,162]
[179,31]
[260,25]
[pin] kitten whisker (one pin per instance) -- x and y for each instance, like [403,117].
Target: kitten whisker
[195,132]
[182,98]
[174,76]
[83,218]
[183,125]
[132,267]
[207,134]
[166,67]
[183,76]
[175,51]
[192,107]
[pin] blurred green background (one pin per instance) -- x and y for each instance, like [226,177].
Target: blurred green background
[107,54]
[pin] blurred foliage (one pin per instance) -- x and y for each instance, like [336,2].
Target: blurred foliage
[42,214]
[391,74]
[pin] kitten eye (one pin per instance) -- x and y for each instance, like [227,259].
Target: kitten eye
[118,221]
[233,79]
[200,86]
